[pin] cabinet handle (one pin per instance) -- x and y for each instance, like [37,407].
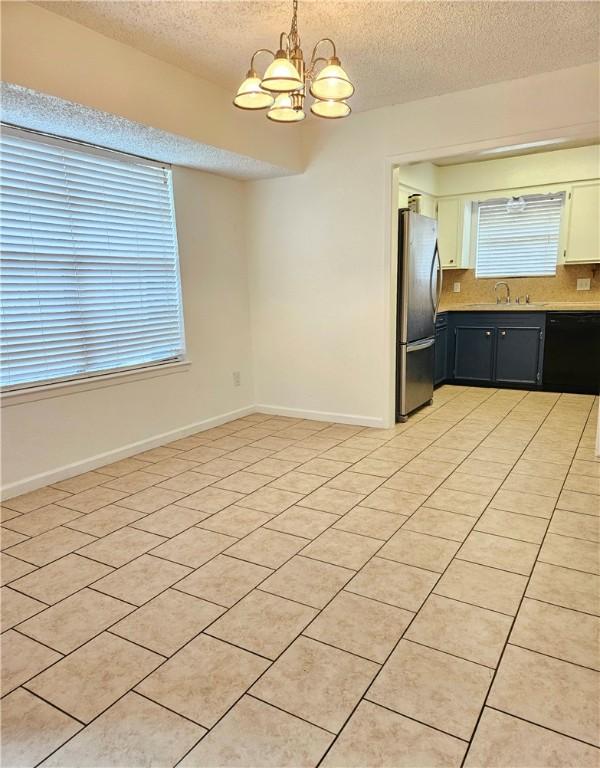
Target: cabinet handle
[488,333]
[502,333]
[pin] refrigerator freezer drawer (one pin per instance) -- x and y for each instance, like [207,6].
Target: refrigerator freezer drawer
[415,382]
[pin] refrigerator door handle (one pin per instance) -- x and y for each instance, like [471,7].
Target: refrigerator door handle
[440,281]
[435,302]
[416,346]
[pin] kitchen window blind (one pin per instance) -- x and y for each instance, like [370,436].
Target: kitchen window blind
[89,262]
[518,237]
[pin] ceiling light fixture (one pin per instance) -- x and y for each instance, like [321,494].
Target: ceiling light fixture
[283,88]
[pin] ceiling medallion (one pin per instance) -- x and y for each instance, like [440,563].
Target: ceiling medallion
[283,87]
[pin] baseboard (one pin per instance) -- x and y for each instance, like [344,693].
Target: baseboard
[101,459]
[340,418]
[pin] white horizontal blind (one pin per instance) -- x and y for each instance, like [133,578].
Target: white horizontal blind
[513,242]
[89,263]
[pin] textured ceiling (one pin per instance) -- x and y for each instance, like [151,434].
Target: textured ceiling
[49,114]
[394,51]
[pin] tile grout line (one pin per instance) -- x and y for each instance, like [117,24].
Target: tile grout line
[285,649]
[506,643]
[166,589]
[363,697]
[289,714]
[563,607]
[326,480]
[544,727]
[415,720]
[433,588]
[550,656]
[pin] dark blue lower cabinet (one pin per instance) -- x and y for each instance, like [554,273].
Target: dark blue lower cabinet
[518,355]
[494,348]
[474,352]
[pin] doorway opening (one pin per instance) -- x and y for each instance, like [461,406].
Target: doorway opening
[462,191]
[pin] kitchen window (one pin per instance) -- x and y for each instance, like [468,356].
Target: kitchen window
[89,262]
[518,236]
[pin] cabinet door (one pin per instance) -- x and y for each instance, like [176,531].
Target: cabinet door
[518,355]
[583,239]
[454,224]
[450,244]
[441,354]
[474,352]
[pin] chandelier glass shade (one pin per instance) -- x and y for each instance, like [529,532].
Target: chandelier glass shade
[281,76]
[329,108]
[332,83]
[251,95]
[287,80]
[283,110]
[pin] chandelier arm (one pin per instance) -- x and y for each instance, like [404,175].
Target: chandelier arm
[260,50]
[287,42]
[313,64]
[313,60]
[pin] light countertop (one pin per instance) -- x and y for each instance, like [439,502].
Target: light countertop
[542,306]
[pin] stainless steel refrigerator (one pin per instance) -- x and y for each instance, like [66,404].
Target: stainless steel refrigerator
[419,289]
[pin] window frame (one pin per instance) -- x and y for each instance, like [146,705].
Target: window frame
[506,194]
[41,388]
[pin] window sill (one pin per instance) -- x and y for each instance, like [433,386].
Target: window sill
[59,389]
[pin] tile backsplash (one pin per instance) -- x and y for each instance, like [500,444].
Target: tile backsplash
[561,287]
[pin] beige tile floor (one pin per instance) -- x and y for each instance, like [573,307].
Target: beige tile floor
[283,592]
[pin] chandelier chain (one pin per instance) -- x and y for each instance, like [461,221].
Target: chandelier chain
[294,39]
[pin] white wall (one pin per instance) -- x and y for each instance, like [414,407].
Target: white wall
[317,282]
[46,436]
[320,243]
[561,165]
[540,168]
[420,176]
[54,55]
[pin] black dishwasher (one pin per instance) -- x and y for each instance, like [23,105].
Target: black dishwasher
[572,352]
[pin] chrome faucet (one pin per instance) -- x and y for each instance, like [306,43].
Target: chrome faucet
[507,297]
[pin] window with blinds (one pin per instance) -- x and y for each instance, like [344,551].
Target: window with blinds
[518,237]
[89,263]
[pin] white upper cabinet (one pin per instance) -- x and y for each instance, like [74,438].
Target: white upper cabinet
[583,233]
[427,202]
[453,233]
[428,205]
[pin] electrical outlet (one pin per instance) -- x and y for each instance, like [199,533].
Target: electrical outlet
[237,378]
[583,284]
[456,287]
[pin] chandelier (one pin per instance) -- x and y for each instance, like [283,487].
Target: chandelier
[282,90]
